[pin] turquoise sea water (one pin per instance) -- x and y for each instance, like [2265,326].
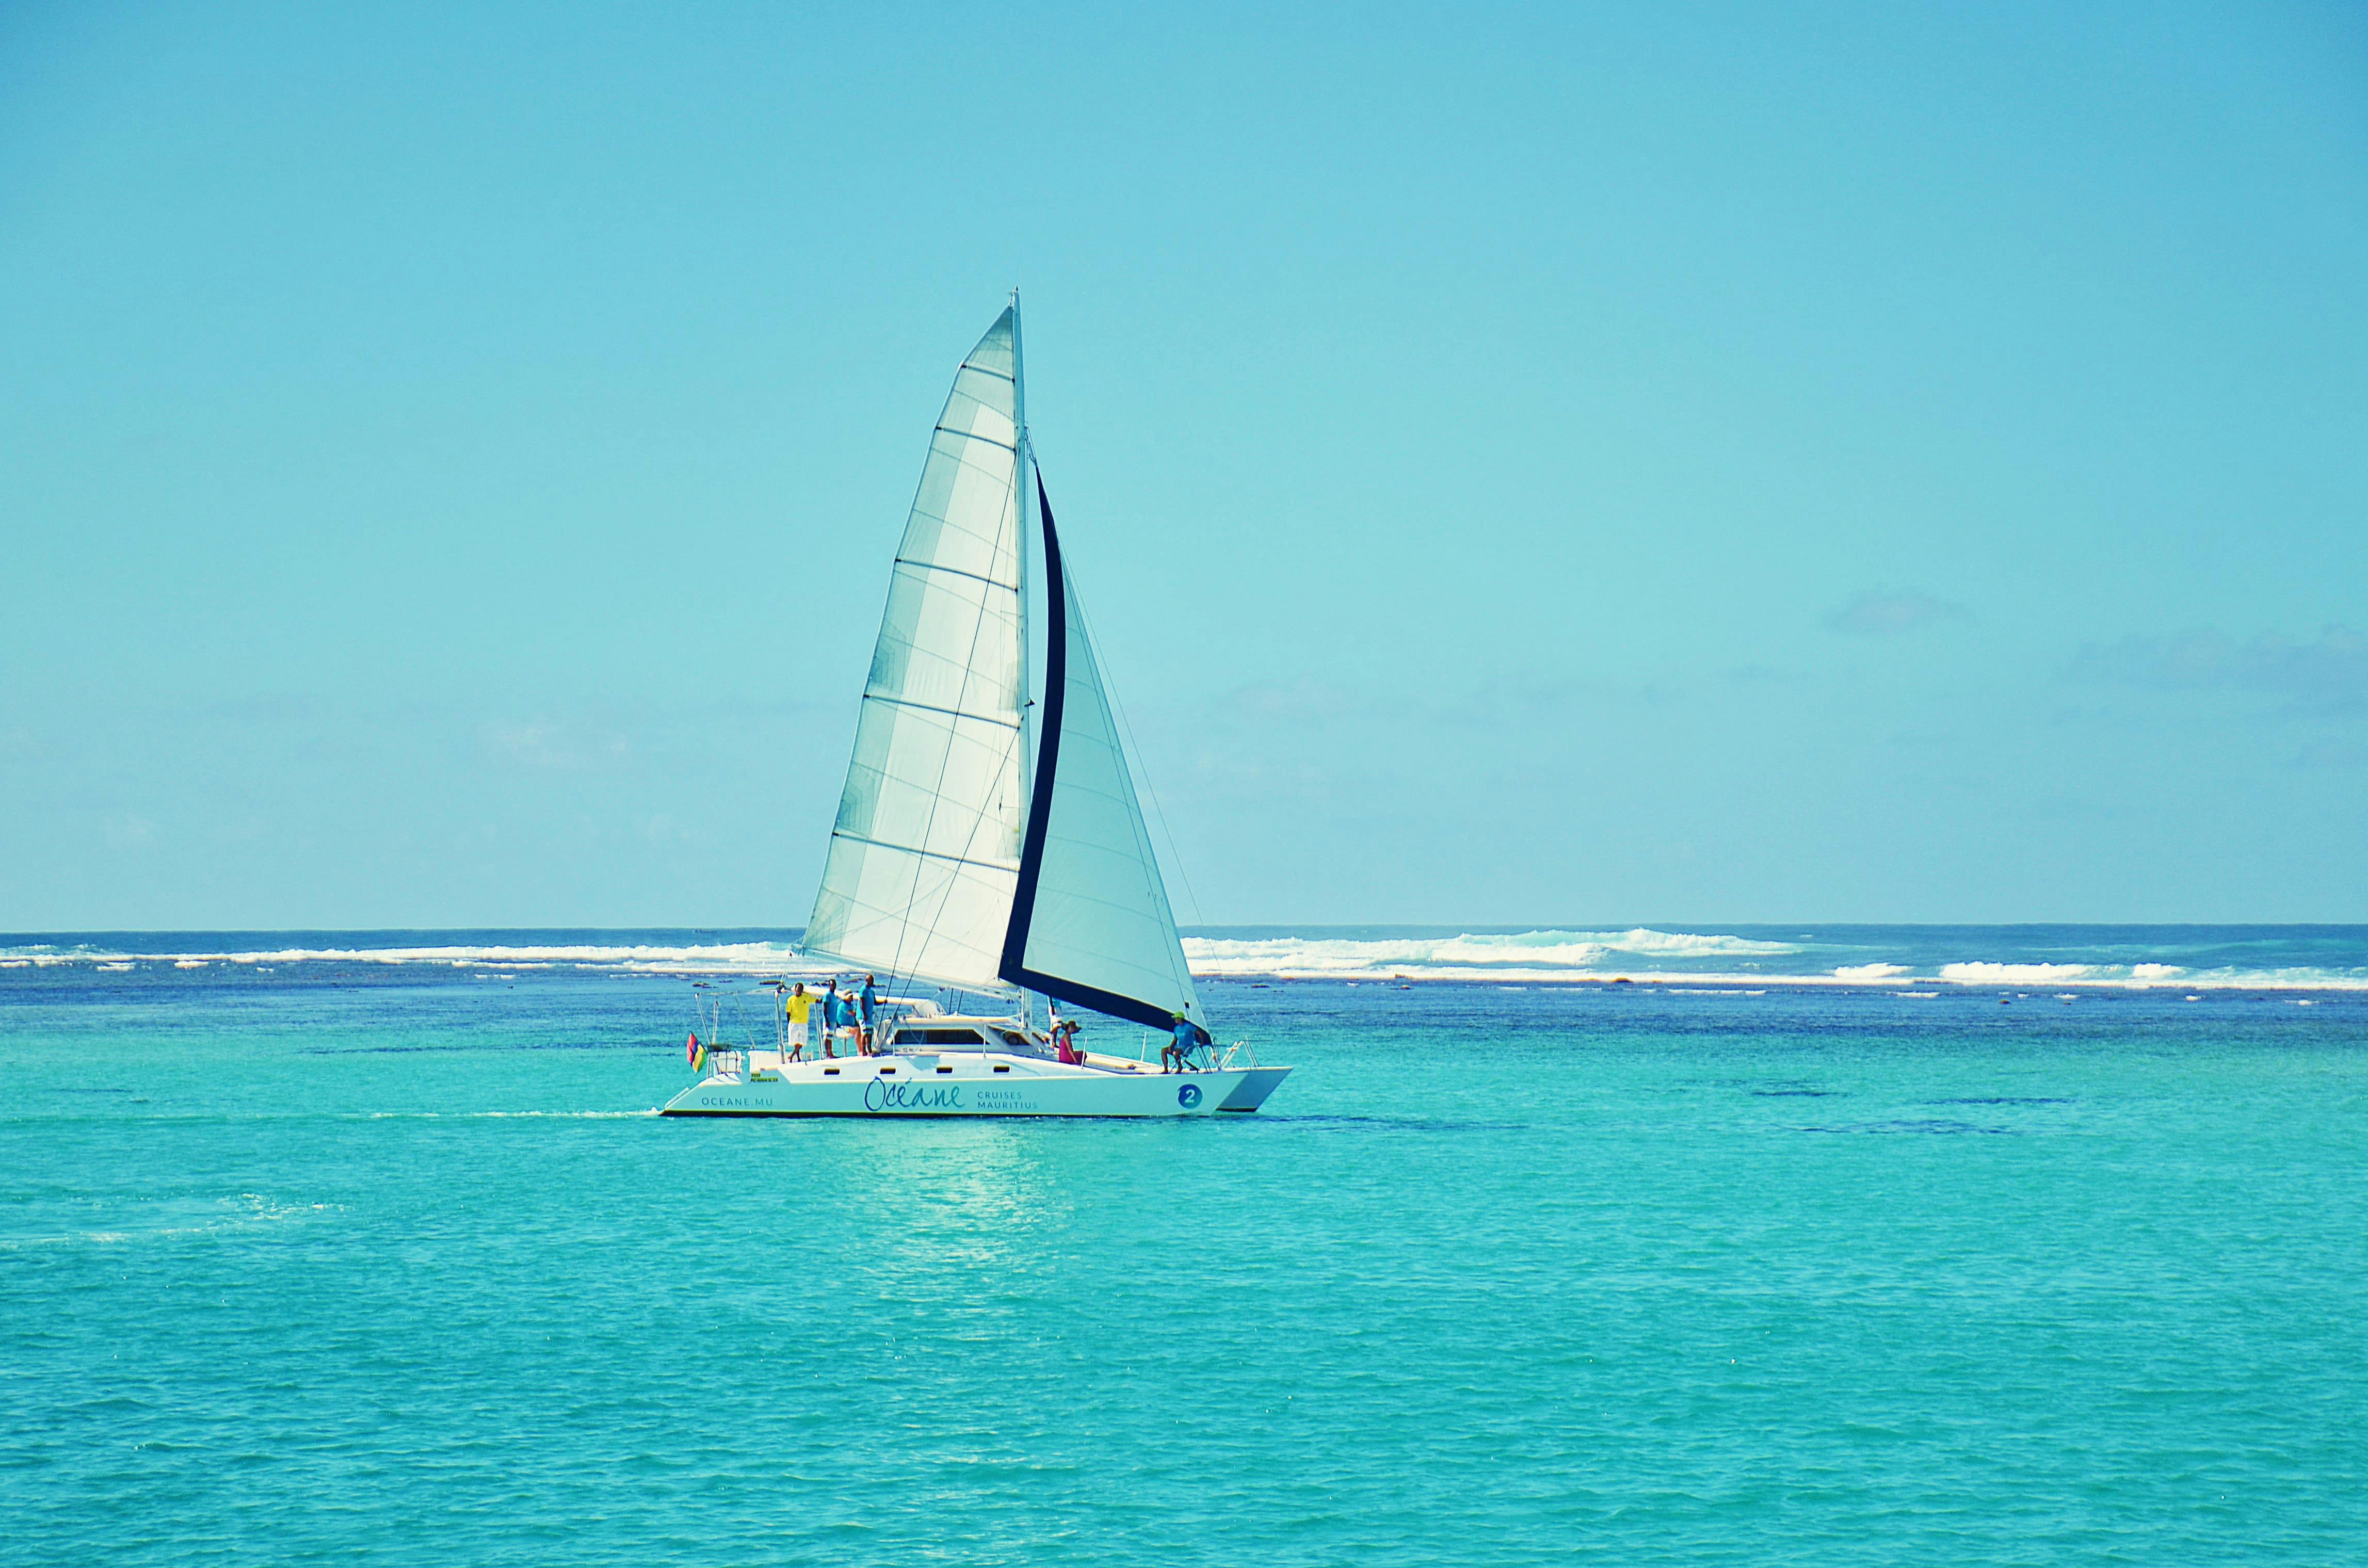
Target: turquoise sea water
[342,1258]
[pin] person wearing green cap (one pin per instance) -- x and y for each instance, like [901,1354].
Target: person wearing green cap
[1189,1038]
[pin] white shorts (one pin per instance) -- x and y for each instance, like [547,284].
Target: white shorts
[797,1035]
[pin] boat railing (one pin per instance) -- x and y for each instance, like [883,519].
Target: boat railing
[1239,1055]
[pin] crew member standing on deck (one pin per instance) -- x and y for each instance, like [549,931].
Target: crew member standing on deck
[800,1007]
[842,1017]
[870,1005]
[828,1006]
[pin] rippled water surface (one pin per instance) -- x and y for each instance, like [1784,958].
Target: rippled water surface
[389,1264]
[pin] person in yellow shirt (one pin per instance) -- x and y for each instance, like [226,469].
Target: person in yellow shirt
[800,1010]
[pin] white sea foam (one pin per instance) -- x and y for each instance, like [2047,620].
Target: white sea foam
[2017,974]
[722,958]
[1527,955]
[1659,958]
[244,1211]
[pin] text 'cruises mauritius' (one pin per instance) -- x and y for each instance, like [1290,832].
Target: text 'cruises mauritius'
[961,866]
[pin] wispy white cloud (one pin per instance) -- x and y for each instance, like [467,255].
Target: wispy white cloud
[545,743]
[2330,673]
[662,828]
[1300,702]
[2333,753]
[1887,612]
[128,830]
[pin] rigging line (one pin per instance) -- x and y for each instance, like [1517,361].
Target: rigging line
[909,850]
[933,566]
[1111,695]
[975,435]
[949,712]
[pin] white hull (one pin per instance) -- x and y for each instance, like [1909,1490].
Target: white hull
[970,1083]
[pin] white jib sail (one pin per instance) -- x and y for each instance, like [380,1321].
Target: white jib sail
[1099,931]
[925,855]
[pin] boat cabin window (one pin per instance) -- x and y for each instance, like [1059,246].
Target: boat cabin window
[940,1037]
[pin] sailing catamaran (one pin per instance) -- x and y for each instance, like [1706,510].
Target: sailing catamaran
[949,868]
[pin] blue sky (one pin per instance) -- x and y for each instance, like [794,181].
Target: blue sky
[1675,463]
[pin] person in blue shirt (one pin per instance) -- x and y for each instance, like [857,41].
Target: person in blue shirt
[829,1000]
[846,1022]
[871,1009]
[1189,1038]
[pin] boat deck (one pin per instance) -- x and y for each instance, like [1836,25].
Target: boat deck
[967,1083]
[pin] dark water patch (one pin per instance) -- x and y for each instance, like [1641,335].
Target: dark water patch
[1915,1125]
[2005,1099]
[1394,1123]
[475,1047]
[1795,1094]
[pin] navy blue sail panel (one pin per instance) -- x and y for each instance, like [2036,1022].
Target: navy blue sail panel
[1091,923]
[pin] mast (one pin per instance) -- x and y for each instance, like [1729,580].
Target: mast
[1019,517]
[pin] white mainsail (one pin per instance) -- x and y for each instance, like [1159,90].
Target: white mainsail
[1092,923]
[925,855]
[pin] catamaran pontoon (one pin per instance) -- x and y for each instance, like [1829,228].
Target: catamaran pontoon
[947,868]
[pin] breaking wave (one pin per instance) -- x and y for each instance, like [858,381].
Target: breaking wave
[1528,954]
[1869,972]
[2023,973]
[1675,957]
[1894,957]
[720,957]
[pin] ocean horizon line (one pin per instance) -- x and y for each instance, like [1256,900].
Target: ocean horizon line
[1863,956]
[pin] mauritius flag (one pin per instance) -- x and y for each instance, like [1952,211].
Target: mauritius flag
[691,1053]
